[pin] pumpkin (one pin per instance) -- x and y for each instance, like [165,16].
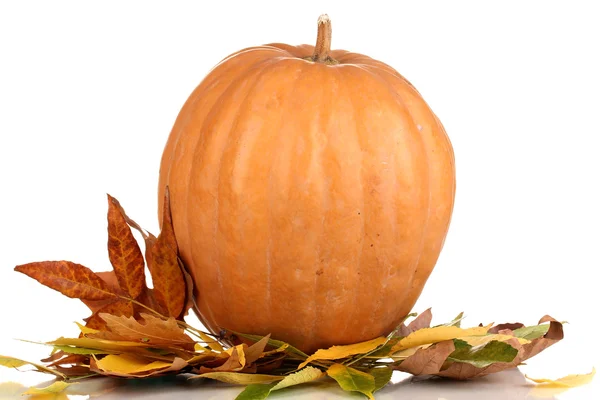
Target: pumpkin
[311,192]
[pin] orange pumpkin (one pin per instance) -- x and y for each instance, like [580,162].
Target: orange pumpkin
[311,192]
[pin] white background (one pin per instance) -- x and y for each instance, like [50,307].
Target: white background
[90,90]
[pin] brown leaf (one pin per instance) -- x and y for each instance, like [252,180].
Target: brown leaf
[153,331]
[148,298]
[423,320]
[230,365]
[509,325]
[428,361]
[70,359]
[110,278]
[124,252]
[167,276]
[116,308]
[255,351]
[459,370]
[72,280]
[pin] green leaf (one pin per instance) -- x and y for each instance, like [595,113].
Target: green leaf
[55,387]
[255,392]
[482,356]
[274,343]
[382,376]
[531,332]
[352,380]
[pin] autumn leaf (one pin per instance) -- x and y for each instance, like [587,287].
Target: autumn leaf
[429,360]
[55,387]
[483,355]
[568,381]
[154,331]
[238,378]
[255,351]
[257,391]
[124,252]
[70,279]
[275,343]
[437,334]
[423,320]
[12,362]
[110,278]
[127,365]
[382,376]
[352,380]
[167,276]
[337,352]
[116,308]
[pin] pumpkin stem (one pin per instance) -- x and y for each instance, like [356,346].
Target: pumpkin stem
[323,46]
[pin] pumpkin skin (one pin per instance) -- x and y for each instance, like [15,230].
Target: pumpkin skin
[310,200]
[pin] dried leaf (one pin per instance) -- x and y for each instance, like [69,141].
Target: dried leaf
[154,331]
[238,378]
[338,352]
[234,363]
[72,280]
[275,343]
[531,332]
[117,308]
[352,380]
[428,361]
[509,325]
[255,351]
[124,252]
[307,374]
[11,362]
[568,381]
[423,320]
[481,340]
[167,276]
[55,387]
[127,365]
[437,334]
[110,278]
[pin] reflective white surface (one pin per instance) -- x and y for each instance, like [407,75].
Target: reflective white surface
[508,385]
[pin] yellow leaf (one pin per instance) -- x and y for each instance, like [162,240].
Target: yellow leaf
[210,342]
[55,387]
[11,362]
[568,381]
[238,378]
[307,374]
[85,330]
[481,340]
[403,354]
[241,355]
[125,364]
[337,352]
[437,334]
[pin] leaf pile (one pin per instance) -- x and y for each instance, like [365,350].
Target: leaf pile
[137,332]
